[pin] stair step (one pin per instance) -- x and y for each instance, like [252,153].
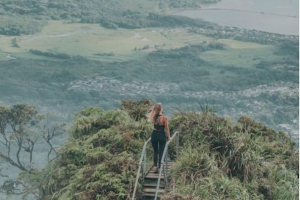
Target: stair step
[152,169]
[149,196]
[152,190]
[154,184]
[154,173]
[150,182]
[145,194]
[169,163]
[150,176]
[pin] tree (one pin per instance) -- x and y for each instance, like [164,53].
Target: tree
[22,129]
[51,130]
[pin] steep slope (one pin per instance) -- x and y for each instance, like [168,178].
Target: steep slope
[222,159]
[219,158]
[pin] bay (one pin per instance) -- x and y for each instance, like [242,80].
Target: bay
[274,16]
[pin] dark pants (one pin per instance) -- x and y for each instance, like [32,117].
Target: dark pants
[158,140]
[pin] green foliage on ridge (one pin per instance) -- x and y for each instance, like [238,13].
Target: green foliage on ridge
[222,159]
[219,158]
[99,159]
[19,26]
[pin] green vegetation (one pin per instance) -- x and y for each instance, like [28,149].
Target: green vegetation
[222,159]
[219,158]
[49,54]
[99,159]
[110,14]
[287,45]
[67,56]
[47,78]
[20,25]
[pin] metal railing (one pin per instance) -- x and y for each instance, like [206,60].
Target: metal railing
[143,164]
[164,163]
[143,160]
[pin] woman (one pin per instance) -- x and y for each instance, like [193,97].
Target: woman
[159,133]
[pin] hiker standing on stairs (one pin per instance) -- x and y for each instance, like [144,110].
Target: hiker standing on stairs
[159,133]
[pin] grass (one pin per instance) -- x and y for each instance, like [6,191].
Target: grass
[241,54]
[93,41]
[90,39]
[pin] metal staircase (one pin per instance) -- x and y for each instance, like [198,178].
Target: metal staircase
[150,183]
[154,184]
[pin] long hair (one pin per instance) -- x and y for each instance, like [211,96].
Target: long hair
[154,112]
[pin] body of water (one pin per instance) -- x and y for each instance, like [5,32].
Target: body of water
[275,16]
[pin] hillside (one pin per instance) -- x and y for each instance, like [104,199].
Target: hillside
[29,16]
[62,56]
[77,59]
[219,158]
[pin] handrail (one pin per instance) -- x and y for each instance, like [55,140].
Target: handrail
[140,166]
[162,163]
[144,157]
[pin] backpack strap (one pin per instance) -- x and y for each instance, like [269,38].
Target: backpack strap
[157,120]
